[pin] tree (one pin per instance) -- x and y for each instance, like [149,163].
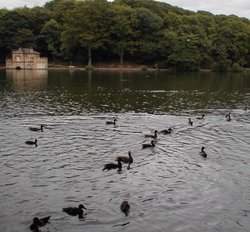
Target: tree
[87,25]
[186,55]
[148,33]
[51,33]
[121,30]
[13,23]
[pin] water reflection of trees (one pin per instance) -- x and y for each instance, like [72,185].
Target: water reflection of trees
[140,92]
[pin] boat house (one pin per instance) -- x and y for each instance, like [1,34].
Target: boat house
[26,58]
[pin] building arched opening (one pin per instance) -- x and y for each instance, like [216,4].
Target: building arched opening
[18,68]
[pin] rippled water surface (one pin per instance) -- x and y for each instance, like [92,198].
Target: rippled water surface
[169,187]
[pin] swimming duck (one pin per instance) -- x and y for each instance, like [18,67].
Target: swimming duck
[126,159]
[152,136]
[32,142]
[125,207]
[38,223]
[111,122]
[168,131]
[245,108]
[190,122]
[203,153]
[145,145]
[202,117]
[110,166]
[74,211]
[228,117]
[36,128]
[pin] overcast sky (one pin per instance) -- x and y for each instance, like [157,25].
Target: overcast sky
[240,8]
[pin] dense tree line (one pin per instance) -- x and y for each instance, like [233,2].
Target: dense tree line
[139,31]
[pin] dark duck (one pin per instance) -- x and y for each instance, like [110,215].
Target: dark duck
[190,122]
[167,131]
[124,207]
[38,223]
[29,142]
[154,136]
[126,159]
[202,117]
[75,211]
[203,153]
[228,117]
[146,145]
[37,128]
[111,122]
[110,166]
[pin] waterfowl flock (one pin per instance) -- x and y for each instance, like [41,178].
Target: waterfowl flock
[31,142]
[124,206]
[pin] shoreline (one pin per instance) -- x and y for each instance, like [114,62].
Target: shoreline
[108,68]
[128,69]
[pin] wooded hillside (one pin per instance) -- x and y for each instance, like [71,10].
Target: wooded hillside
[140,31]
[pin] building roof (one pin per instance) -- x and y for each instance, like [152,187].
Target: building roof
[26,51]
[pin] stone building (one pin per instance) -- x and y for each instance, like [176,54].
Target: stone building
[26,58]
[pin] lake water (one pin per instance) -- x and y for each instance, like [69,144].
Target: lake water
[169,187]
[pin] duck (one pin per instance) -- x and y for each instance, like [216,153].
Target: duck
[74,211]
[203,153]
[167,131]
[146,145]
[228,117]
[111,122]
[202,117]
[126,159]
[110,166]
[38,223]
[29,142]
[37,128]
[190,122]
[152,136]
[124,207]
[245,108]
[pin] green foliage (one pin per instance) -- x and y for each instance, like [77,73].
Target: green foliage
[87,25]
[51,33]
[236,68]
[141,31]
[24,38]
[222,65]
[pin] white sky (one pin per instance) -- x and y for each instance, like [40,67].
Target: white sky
[240,8]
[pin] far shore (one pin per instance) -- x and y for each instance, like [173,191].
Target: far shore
[109,68]
[97,68]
